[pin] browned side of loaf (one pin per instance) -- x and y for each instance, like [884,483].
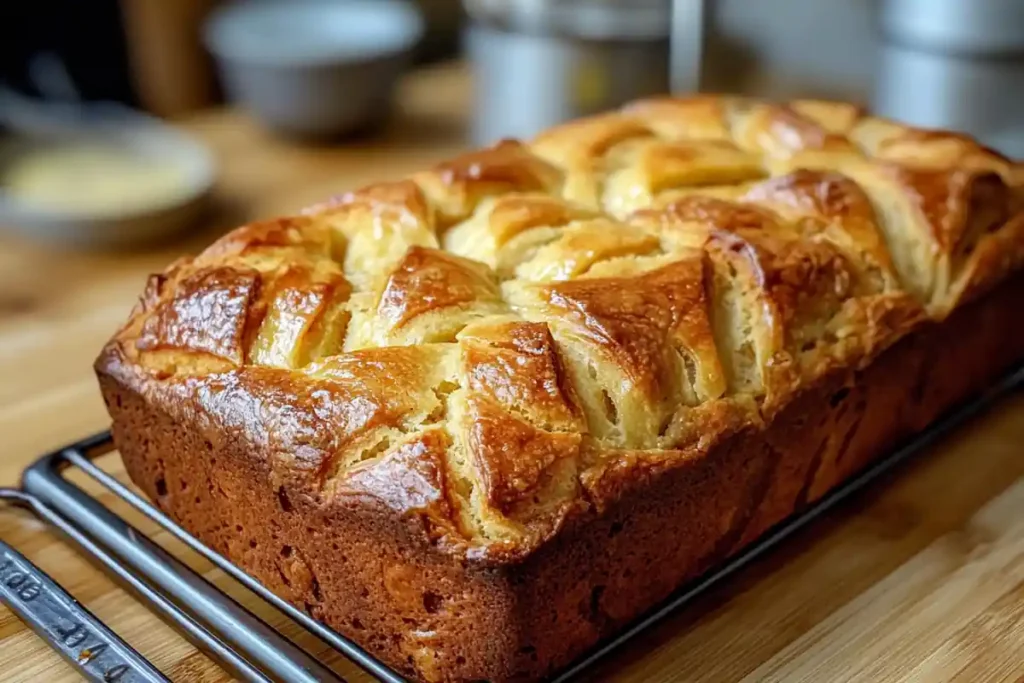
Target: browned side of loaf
[350,565]
[366,575]
[668,531]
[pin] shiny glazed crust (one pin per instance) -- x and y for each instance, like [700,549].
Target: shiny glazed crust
[478,418]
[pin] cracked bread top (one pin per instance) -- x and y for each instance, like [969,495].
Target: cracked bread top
[514,337]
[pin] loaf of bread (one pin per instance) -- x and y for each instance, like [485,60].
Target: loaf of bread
[480,418]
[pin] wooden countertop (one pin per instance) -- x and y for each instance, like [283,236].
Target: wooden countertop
[921,579]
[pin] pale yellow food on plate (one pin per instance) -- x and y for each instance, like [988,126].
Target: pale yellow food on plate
[92,179]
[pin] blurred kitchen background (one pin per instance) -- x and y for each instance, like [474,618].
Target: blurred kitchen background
[126,121]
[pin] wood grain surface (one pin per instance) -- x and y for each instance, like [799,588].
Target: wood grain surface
[920,579]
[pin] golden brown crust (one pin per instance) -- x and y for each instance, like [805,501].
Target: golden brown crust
[412,480]
[209,313]
[516,365]
[643,322]
[457,186]
[429,280]
[498,351]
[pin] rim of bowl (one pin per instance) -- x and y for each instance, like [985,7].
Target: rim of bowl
[233,31]
[179,148]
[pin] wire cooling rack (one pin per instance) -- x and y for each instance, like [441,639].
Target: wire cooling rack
[242,643]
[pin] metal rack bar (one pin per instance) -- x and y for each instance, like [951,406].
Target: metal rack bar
[252,650]
[244,644]
[352,651]
[98,654]
[190,629]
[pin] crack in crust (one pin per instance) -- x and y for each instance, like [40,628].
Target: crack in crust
[476,345]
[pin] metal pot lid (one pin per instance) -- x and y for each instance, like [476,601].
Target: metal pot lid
[587,19]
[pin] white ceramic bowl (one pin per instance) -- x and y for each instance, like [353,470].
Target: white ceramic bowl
[314,68]
[130,223]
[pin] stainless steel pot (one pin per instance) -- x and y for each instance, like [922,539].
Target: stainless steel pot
[538,63]
[955,64]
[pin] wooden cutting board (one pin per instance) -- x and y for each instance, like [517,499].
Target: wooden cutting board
[920,579]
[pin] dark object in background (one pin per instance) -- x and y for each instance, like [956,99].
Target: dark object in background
[444,19]
[87,37]
[145,53]
[172,73]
